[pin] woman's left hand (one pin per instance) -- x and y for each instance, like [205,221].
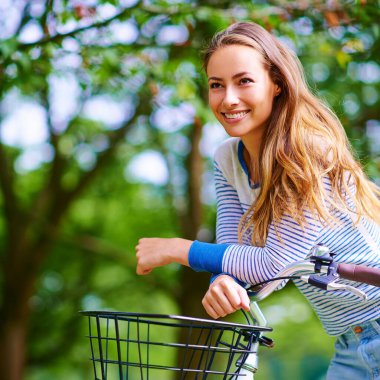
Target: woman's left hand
[225,296]
[156,252]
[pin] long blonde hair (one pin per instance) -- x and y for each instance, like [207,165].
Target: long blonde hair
[304,144]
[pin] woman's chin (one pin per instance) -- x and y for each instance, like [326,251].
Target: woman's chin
[235,132]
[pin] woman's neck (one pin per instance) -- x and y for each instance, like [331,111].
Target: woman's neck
[251,157]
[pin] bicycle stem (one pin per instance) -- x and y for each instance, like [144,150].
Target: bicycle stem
[257,315]
[250,362]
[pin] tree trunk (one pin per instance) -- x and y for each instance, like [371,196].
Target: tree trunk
[12,348]
[193,284]
[14,315]
[18,287]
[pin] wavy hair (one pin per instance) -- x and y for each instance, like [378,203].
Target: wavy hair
[304,145]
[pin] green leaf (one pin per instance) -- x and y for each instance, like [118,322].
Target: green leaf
[343,58]
[8,47]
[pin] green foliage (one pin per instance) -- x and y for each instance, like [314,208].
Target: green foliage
[91,263]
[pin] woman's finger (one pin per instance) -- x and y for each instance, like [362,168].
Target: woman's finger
[245,300]
[233,296]
[222,305]
[216,306]
[209,309]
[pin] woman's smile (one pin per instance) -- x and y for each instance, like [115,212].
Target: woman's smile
[234,117]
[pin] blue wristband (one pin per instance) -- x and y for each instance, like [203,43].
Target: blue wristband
[206,257]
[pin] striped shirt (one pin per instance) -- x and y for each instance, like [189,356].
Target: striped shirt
[357,244]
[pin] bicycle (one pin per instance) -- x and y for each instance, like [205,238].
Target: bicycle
[125,345]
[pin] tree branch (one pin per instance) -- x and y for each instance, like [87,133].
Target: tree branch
[194,164]
[115,137]
[110,251]
[174,10]
[170,193]
[52,186]
[45,15]
[24,18]
[46,230]
[102,248]
[59,36]
[11,210]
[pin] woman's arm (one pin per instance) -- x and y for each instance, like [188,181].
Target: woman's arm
[156,252]
[228,209]
[245,262]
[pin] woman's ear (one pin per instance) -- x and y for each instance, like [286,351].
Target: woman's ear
[277,90]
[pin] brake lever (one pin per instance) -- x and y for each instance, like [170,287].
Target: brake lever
[329,283]
[349,288]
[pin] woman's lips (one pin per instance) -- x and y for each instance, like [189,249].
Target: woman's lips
[234,117]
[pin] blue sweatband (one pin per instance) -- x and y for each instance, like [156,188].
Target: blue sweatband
[206,257]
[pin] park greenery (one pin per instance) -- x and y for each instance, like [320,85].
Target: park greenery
[116,93]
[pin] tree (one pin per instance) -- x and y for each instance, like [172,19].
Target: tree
[144,59]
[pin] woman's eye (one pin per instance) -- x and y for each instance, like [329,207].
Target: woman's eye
[246,80]
[215,85]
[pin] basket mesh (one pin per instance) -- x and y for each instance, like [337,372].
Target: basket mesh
[161,347]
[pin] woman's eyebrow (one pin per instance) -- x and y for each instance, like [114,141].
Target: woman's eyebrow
[233,77]
[214,78]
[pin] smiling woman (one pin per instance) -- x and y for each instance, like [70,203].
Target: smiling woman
[285,181]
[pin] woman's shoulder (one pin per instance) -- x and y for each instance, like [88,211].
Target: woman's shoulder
[227,160]
[227,150]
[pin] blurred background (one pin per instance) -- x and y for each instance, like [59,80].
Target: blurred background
[106,137]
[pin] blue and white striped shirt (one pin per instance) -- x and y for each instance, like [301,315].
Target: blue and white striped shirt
[358,244]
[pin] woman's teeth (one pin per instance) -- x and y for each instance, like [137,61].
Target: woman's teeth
[235,115]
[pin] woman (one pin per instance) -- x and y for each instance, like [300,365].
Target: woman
[285,181]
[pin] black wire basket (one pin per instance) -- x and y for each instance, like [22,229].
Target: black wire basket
[139,346]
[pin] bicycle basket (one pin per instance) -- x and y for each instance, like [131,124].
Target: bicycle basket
[164,347]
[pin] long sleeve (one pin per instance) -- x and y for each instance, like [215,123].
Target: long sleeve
[229,209]
[229,213]
[248,263]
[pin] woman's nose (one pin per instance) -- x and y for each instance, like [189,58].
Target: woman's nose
[230,98]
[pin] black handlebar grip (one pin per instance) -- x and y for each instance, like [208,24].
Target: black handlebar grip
[360,273]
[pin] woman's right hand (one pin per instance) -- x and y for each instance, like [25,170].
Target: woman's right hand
[225,296]
[156,252]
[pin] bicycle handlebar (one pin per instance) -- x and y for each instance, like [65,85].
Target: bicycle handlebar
[320,271]
[352,272]
[359,273]
[290,270]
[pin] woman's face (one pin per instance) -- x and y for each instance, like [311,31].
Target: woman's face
[241,91]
